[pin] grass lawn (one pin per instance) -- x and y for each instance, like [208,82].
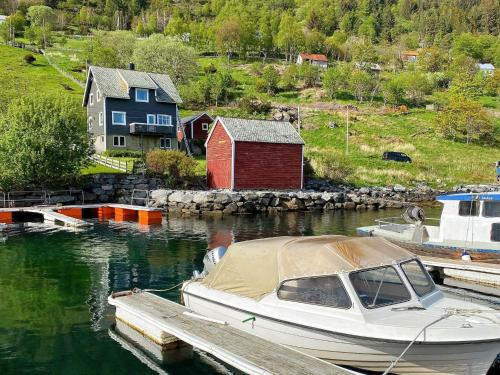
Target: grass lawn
[201,165]
[95,168]
[17,78]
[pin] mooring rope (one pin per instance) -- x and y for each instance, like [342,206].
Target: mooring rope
[160,290]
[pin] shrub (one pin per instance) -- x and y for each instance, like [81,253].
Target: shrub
[252,105]
[210,69]
[178,169]
[331,167]
[29,58]
[123,153]
[269,81]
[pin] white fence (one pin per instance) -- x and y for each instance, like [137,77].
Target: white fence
[117,164]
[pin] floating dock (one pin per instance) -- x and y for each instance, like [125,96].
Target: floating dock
[74,215]
[165,322]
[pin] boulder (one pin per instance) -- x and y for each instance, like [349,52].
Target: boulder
[181,197]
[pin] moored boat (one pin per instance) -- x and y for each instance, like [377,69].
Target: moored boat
[469,225]
[360,302]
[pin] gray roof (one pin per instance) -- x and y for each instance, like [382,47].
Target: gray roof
[188,119]
[243,130]
[486,66]
[116,83]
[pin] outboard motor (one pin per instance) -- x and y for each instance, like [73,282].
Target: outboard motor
[414,215]
[212,257]
[210,260]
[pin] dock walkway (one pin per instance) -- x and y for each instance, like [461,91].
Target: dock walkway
[160,319]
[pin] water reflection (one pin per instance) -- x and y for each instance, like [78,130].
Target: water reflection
[54,284]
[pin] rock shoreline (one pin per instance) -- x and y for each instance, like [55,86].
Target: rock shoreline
[318,195]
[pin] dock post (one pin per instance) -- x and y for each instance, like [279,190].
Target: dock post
[75,213]
[6,217]
[150,217]
[123,214]
[105,213]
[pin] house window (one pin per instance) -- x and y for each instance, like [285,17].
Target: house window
[164,120]
[151,119]
[91,120]
[91,99]
[204,126]
[119,118]
[101,119]
[98,96]
[142,95]
[165,143]
[119,141]
[101,138]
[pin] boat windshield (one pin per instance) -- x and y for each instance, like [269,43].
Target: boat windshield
[379,287]
[418,277]
[324,290]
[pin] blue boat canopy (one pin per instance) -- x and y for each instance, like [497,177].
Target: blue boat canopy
[469,197]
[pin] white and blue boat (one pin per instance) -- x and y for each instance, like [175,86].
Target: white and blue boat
[469,226]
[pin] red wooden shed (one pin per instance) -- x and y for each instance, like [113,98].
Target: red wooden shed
[254,154]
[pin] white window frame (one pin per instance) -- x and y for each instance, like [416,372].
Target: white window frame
[98,95]
[101,138]
[142,90]
[101,119]
[91,99]
[118,137]
[119,123]
[169,143]
[204,126]
[90,122]
[148,116]
[169,122]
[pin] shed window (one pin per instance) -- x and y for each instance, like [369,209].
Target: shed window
[119,141]
[495,232]
[165,143]
[101,119]
[204,126]
[91,120]
[325,290]
[142,95]
[98,96]
[418,277]
[468,208]
[379,287]
[91,99]
[119,118]
[164,120]
[491,209]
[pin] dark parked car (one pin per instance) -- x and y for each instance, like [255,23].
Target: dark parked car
[396,156]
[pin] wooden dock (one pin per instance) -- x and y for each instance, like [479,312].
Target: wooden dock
[484,273]
[164,321]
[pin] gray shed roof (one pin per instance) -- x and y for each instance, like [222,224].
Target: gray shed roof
[116,83]
[243,130]
[196,116]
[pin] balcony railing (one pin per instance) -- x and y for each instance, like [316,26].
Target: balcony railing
[151,129]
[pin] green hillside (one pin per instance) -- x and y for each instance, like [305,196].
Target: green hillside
[18,78]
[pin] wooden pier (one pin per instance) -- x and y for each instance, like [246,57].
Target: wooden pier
[483,273]
[164,322]
[73,215]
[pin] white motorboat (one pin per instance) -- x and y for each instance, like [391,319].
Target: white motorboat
[360,302]
[469,223]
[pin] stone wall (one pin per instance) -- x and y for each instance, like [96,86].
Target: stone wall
[225,202]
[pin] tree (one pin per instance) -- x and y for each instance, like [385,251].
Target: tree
[43,142]
[394,89]
[162,54]
[417,85]
[466,120]
[227,37]
[42,20]
[309,75]
[221,86]
[361,84]
[336,79]
[290,36]
[111,49]
[269,80]
[432,59]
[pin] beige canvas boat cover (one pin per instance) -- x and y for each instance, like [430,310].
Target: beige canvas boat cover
[256,268]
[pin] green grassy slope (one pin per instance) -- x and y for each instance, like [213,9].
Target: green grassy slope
[17,78]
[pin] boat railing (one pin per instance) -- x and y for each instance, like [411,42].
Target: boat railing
[398,225]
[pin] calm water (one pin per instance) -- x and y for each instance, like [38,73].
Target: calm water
[54,284]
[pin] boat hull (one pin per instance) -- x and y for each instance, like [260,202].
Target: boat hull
[439,251]
[354,351]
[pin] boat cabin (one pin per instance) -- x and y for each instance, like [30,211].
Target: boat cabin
[357,274]
[471,218]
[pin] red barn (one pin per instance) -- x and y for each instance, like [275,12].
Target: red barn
[195,127]
[254,154]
